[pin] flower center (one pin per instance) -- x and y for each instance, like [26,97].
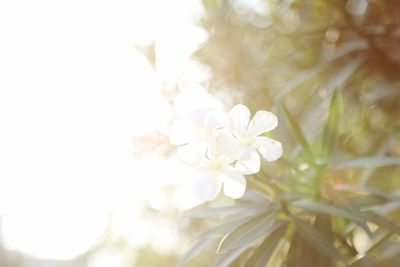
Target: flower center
[204,132]
[247,140]
[217,165]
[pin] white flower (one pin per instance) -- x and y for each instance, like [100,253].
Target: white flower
[225,147]
[216,169]
[194,134]
[248,135]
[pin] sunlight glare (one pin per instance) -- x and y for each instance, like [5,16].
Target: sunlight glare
[74,93]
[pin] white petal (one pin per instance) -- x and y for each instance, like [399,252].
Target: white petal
[262,122]
[216,120]
[269,149]
[179,133]
[223,144]
[234,183]
[199,116]
[239,119]
[246,152]
[248,162]
[192,153]
[208,187]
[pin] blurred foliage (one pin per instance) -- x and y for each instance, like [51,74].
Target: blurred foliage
[330,69]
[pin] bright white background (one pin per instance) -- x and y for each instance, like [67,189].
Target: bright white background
[74,90]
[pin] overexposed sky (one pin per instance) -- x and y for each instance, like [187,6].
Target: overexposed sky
[73,92]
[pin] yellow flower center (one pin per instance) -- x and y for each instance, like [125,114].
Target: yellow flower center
[247,140]
[217,165]
[204,132]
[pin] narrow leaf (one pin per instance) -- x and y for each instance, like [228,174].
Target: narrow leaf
[298,80]
[223,229]
[368,162]
[262,255]
[323,223]
[391,251]
[381,221]
[299,136]
[364,262]
[223,210]
[352,208]
[302,253]
[325,208]
[332,125]
[195,250]
[340,79]
[225,259]
[255,228]
[316,239]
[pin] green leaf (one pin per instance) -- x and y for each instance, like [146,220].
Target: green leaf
[381,221]
[352,208]
[302,253]
[255,228]
[301,78]
[332,125]
[225,259]
[325,208]
[391,251]
[195,250]
[364,262]
[368,162]
[323,223]
[223,229]
[223,210]
[316,239]
[366,190]
[388,207]
[262,255]
[342,76]
[339,80]
[298,133]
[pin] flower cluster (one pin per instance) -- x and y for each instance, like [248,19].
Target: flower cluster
[225,147]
